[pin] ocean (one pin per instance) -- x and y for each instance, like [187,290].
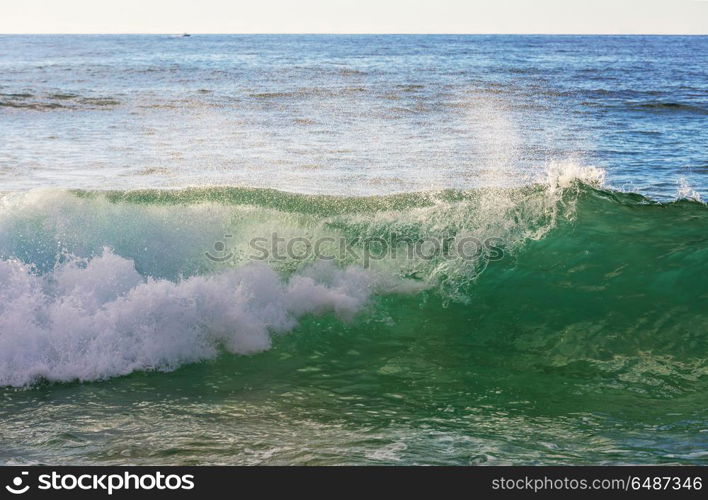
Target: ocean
[353,249]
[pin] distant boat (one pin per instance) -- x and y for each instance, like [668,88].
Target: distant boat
[185,34]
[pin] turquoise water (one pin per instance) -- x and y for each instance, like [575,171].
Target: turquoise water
[146,318]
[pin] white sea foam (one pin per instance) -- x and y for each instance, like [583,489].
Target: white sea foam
[686,192]
[559,175]
[98,318]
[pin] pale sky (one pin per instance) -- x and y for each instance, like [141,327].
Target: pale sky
[354,16]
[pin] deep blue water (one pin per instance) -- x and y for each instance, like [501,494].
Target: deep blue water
[352,114]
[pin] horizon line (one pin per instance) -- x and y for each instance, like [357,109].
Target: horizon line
[191,33]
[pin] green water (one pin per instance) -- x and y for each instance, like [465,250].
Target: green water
[585,345]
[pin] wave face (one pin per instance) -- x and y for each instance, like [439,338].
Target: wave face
[99,284]
[591,302]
